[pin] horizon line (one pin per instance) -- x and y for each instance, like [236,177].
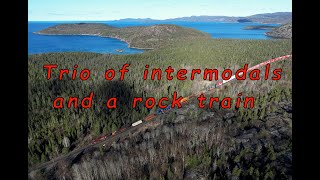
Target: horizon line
[159,19]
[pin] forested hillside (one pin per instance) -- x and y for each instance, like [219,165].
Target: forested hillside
[189,142]
[143,37]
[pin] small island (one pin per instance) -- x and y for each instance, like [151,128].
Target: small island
[261,27]
[140,37]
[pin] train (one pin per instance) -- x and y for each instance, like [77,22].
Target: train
[136,123]
[99,139]
[162,110]
[104,137]
[151,116]
[184,100]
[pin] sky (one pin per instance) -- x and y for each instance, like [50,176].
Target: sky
[103,10]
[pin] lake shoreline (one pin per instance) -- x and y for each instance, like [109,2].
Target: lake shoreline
[95,35]
[42,44]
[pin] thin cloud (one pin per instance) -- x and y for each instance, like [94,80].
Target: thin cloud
[56,14]
[75,14]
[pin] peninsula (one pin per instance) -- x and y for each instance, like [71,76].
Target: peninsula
[140,37]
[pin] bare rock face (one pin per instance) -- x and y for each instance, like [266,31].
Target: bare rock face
[284,31]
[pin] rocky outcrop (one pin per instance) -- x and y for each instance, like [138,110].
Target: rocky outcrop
[284,31]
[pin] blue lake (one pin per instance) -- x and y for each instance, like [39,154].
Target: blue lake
[51,43]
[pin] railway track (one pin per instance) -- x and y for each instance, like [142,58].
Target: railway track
[74,153]
[146,120]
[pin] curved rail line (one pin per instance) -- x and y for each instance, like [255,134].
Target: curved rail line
[214,86]
[116,134]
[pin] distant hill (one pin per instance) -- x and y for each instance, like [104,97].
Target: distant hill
[78,28]
[142,37]
[137,20]
[206,19]
[284,31]
[244,20]
[277,18]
